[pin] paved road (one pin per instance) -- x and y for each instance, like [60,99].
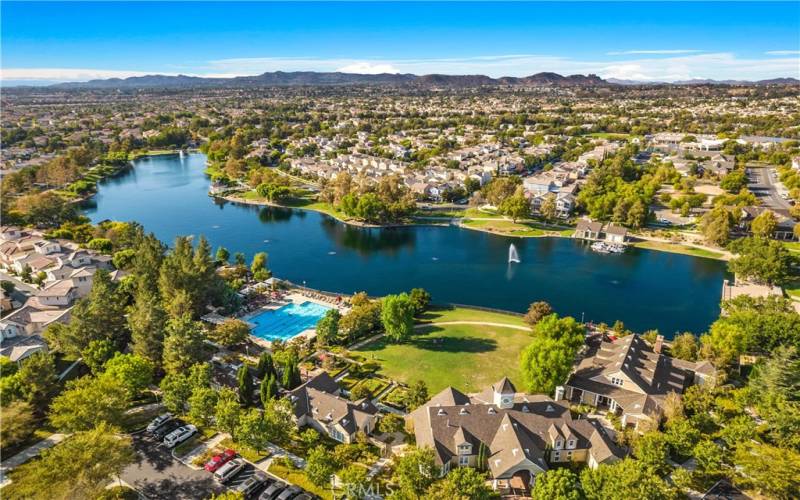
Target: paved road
[158,475]
[762,184]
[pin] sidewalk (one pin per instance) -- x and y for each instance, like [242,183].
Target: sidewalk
[27,454]
[200,449]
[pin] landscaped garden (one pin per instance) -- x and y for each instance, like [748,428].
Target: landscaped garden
[468,357]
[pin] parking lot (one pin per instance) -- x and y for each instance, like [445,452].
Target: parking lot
[156,474]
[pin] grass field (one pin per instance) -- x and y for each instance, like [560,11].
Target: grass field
[677,248]
[519,229]
[468,357]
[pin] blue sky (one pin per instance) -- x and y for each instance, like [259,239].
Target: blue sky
[70,41]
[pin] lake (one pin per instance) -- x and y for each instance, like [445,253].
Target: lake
[643,288]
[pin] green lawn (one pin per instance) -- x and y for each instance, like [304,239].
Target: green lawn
[792,246]
[442,314]
[298,477]
[525,229]
[792,289]
[678,248]
[468,357]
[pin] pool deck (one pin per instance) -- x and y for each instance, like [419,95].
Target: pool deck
[292,297]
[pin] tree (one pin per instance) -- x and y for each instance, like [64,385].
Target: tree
[773,471]
[147,321]
[291,375]
[320,466]
[709,459]
[716,225]
[202,404]
[19,423]
[548,207]
[278,420]
[684,346]
[516,207]
[734,181]
[463,483]
[354,479]
[624,479]
[88,402]
[778,376]
[231,332]
[420,299]
[175,391]
[97,353]
[222,255]
[557,484]
[546,363]
[761,260]
[268,389]
[391,423]
[682,436]
[259,263]
[227,411]
[537,311]
[133,372]
[79,467]
[252,430]
[415,472]
[417,395]
[764,224]
[266,366]
[652,450]
[183,344]
[100,315]
[239,259]
[328,327]
[397,316]
[38,380]
[245,381]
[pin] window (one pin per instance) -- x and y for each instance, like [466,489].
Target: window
[558,444]
[571,444]
[556,456]
[463,460]
[335,434]
[616,381]
[464,449]
[569,455]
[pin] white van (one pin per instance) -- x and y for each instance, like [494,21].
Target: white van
[229,470]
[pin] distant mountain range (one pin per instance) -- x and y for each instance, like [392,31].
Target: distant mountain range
[699,81]
[312,78]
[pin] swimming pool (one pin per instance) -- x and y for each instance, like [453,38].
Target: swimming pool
[286,322]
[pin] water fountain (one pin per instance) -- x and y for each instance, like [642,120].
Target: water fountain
[513,255]
[180,154]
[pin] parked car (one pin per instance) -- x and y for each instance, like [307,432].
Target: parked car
[166,429]
[158,422]
[289,493]
[219,460]
[179,435]
[273,490]
[229,470]
[251,484]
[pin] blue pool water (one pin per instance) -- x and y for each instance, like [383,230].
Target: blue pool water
[287,321]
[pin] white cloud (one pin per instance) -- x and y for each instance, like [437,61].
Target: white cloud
[653,52]
[719,66]
[368,68]
[782,52]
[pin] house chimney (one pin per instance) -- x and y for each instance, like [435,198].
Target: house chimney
[659,344]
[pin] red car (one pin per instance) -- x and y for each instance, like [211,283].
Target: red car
[218,461]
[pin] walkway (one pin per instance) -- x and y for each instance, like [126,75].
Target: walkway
[479,323]
[27,454]
[203,447]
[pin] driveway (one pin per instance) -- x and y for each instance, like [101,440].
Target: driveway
[158,475]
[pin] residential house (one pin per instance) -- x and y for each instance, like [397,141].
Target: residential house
[629,378]
[588,230]
[514,435]
[319,403]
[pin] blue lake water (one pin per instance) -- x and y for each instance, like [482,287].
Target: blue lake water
[645,289]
